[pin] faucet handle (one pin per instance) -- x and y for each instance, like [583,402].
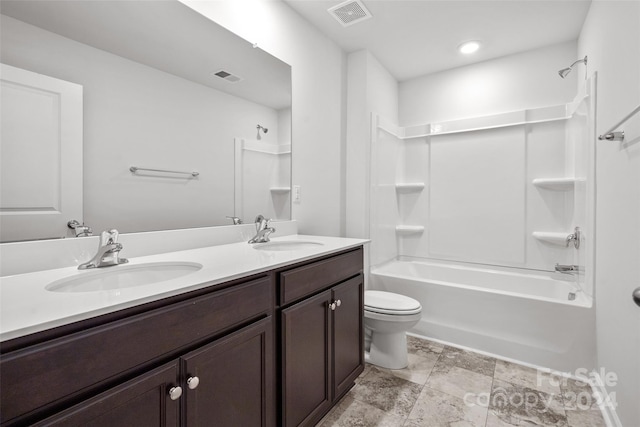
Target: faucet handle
[109,237]
[114,235]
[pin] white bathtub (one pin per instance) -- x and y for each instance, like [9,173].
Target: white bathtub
[516,314]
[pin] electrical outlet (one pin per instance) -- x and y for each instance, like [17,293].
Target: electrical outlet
[296,194]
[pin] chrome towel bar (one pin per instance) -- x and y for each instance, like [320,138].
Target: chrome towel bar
[610,135]
[135,169]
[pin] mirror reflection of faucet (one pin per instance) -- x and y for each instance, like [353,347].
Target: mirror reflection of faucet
[235,219]
[262,230]
[108,252]
[80,229]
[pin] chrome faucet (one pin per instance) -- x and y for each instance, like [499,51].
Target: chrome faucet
[569,269]
[108,252]
[235,219]
[262,230]
[80,229]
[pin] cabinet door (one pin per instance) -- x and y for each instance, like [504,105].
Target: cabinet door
[306,392]
[234,385]
[141,402]
[348,335]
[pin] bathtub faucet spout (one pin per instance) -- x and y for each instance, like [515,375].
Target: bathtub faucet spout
[569,269]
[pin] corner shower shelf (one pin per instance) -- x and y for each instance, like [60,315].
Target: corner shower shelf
[554,238]
[409,229]
[280,190]
[558,184]
[409,187]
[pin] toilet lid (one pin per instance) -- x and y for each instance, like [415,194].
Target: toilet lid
[390,303]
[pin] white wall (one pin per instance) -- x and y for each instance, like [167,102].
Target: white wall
[371,89]
[511,83]
[318,75]
[611,39]
[479,184]
[135,115]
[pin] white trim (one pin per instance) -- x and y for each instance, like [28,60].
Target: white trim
[608,411]
[495,121]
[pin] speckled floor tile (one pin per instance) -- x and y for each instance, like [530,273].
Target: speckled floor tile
[386,392]
[515,405]
[585,418]
[367,369]
[528,377]
[446,386]
[435,409]
[350,412]
[475,362]
[419,368]
[422,347]
[460,382]
[581,405]
[577,395]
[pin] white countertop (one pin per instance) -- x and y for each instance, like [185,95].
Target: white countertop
[27,307]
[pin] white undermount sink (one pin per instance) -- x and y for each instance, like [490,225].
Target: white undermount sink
[122,276]
[286,245]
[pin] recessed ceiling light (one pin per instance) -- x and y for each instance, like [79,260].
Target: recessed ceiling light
[469,47]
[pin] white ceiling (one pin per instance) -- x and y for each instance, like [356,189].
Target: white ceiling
[418,37]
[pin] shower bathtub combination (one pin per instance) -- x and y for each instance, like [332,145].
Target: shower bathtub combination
[474,218]
[520,315]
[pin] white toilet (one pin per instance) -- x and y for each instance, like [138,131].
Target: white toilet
[387,318]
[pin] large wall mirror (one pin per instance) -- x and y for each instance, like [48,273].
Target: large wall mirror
[151,85]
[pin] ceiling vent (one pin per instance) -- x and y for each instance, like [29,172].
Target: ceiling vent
[350,12]
[225,75]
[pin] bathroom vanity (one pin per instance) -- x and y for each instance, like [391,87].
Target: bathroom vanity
[277,345]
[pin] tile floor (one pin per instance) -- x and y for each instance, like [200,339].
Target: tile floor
[446,386]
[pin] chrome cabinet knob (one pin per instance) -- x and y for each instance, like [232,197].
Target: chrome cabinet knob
[335,304]
[175,393]
[636,296]
[192,382]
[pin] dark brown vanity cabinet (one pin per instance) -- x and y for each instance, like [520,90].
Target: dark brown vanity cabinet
[217,356]
[228,382]
[321,330]
[203,360]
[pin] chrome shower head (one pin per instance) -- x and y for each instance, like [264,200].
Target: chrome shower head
[264,129]
[565,71]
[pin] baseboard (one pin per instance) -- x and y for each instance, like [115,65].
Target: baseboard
[607,406]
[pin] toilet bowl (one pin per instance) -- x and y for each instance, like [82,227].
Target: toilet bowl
[387,318]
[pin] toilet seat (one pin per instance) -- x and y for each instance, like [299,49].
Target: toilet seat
[391,304]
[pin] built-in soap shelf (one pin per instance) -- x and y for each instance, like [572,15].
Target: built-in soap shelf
[409,187]
[405,230]
[557,184]
[280,190]
[553,238]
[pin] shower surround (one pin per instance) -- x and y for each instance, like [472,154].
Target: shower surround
[470,217]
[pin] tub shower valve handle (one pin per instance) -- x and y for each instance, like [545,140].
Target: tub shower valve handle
[575,237]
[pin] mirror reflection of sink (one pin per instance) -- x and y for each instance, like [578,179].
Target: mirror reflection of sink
[123,276]
[287,245]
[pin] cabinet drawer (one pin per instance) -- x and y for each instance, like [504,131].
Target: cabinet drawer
[66,367]
[308,279]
